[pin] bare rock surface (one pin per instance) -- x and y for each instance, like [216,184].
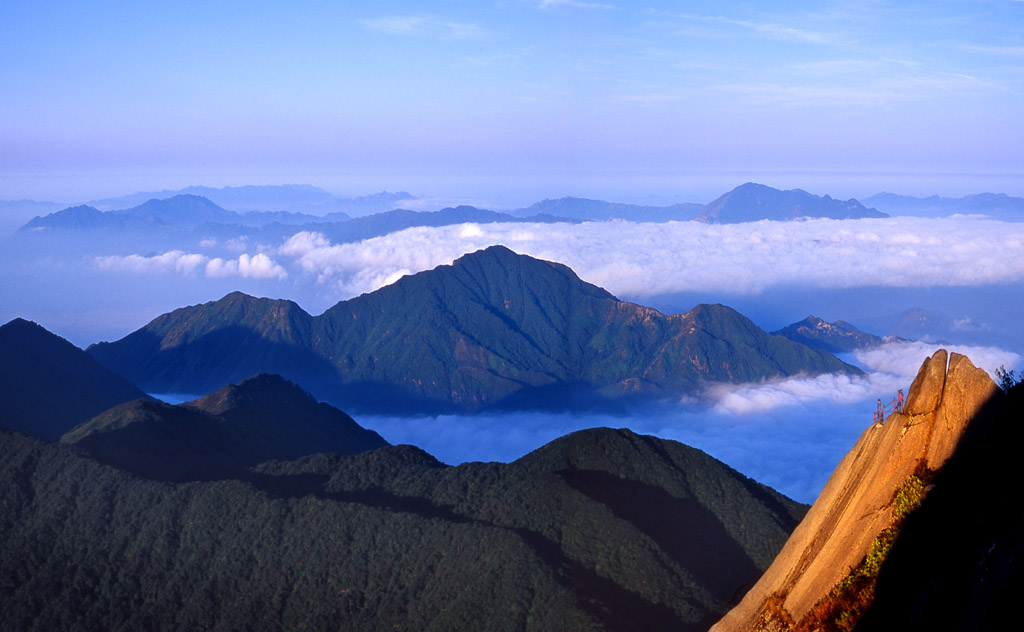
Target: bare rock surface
[926,389]
[856,502]
[967,388]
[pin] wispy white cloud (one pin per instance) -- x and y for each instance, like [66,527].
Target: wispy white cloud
[1004,51]
[547,4]
[853,83]
[768,29]
[891,366]
[425,25]
[171,261]
[258,266]
[641,260]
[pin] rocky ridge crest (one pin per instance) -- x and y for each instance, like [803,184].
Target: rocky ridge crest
[856,504]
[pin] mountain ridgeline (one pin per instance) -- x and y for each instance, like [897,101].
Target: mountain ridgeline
[273,211]
[494,329]
[221,434]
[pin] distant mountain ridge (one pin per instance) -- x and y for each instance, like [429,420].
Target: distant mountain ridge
[194,216]
[752,202]
[294,198]
[182,210]
[584,209]
[996,205]
[837,337]
[746,203]
[493,329]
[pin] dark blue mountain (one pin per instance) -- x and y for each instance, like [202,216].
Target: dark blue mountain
[48,385]
[221,434]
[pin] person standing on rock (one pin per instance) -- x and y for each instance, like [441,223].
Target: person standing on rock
[880,415]
[899,401]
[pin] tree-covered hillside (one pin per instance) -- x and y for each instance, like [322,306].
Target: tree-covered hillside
[602,529]
[492,329]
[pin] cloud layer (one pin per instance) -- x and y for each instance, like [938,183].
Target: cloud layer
[257,266]
[890,366]
[638,259]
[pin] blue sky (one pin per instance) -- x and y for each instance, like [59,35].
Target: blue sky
[512,101]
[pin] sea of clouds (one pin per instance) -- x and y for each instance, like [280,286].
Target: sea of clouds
[789,434]
[647,259]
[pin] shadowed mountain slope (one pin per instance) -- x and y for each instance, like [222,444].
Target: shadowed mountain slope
[958,563]
[826,573]
[494,328]
[199,349]
[599,530]
[262,418]
[48,385]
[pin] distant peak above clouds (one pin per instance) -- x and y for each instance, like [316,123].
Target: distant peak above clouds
[748,202]
[751,202]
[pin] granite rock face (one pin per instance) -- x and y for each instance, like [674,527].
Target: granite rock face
[856,503]
[926,389]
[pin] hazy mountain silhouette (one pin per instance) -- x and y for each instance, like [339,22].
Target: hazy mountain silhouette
[996,205]
[292,198]
[180,210]
[262,418]
[752,202]
[746,203]
[14,213]
[48,385]
[494,328]
[931,325]
[267,209]
[584,209]
[602,529]
[184,219]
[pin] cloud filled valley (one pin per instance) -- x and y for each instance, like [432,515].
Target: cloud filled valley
[787,433]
